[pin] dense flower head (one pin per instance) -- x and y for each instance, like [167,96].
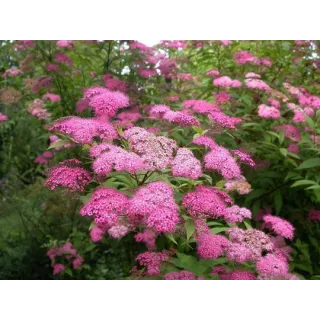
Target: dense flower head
[156,152]
[257,84]
[84,130]
[205,141]
[270,265]
[244,157]
[252,75]
[183,119]
[294,148]
[116,84]
[238,252]
[236,214]
[211,246]
[185,164]
[289,131]
[58,268]
[105,206]
[152,261]
[63,58]
[118,231]
[36,108]
[206,202]
[256,241]
[213,73]
[44,157]
[268,112]
[226,82]
[13,72]
[224,120]
[238,275]
[68,175]
[180,275]
[96,234]
[3,117]
[279,226]
[221,160]
[51,97]
[222,98]
[111,157]
[243,57]
[154,206]
[314,215]
[65,43]
[148,237]
[200,106]
[108,102]
[239,185]
[127,119]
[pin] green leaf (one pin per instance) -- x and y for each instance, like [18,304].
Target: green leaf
[284,152]
[310,163]
[247,224]
[171,237]
[278,201]
[190,227]
[302,183]
[197,130]
[217,230]
[58,143]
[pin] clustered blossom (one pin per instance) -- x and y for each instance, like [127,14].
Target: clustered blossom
[152,261]
[114,84]
[106,102]
[257,84]
[180,275]
[63,58]
[238,275]
[222,98]
[268,112]
[13,72]
[148,237]
[289,131]
[96,234]
[236,214]
[279,226]
[126,119]
[156,152]
[154,206]
[206,202]
[51,97]
[213,73]
[244,57]
[118,231]
[44,157]
[224,120]
[314,215]
[211,246]
[200,106]
[83,130]
[182,118]
[270,265]
[226,82]
[294,148]
[3,117]
[68,175]
[36,108]
[67,252]
[244,157]
[239,185]
[185,164]
[109,157]
[10,96]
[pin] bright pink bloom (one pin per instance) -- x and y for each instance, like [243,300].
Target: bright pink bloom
[96,234]
[279,226]
[152,261]
[236,214]
[180,275]
[51,97]
[244,157]
[77,262]
[257,84]
[118,231]
[267,112]
[58,268]
[211,246]
[270,265]
[3,117]
[148,237]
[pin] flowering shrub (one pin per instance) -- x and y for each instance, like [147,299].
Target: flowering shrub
[205,153]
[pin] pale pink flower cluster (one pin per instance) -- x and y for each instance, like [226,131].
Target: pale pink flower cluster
[154,206]
[68,175]
[252,75]
[65,43]
[36,108]
[213,73]
[257,84]
[268,112]
[226,82]
[44,157]
[96,234]
[270,265]
[185,164]
[109,157]
[244,57]
[83,130]
[156,152]
[13,72]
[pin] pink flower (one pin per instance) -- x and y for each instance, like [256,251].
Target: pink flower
[68,175]
[65,43]
[314,215]
[252,75]
[51,97]
[118,231]
[96,234]
[211,246]
[289,131]
[226,82]
[270,265]
[279,226]
[154,206]
[152,261]
[77,262]
[244,157]
[224,120]
[3,117]
[58,268]
[239,275]
[213,73]
[257,84]
[180,275]
[205,141]
[267,112]
[185,164]
[294,148]
[63,58]
[236,214]
[148,237]
[222,98]
[13,72]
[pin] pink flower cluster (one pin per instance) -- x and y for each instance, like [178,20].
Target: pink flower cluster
[314,215]
[279,226]
[68,175]
[185,164]
[180,275]
[3,117]
[67,252]
[83,130]
[51,97]
[36,108]
[148,237]
[154,206]
[44,158]
[257,84]
[152,261]
[13,72]
[226,82]
[244,57]
[267,112]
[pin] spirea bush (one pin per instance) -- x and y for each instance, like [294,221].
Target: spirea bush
[204,153]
